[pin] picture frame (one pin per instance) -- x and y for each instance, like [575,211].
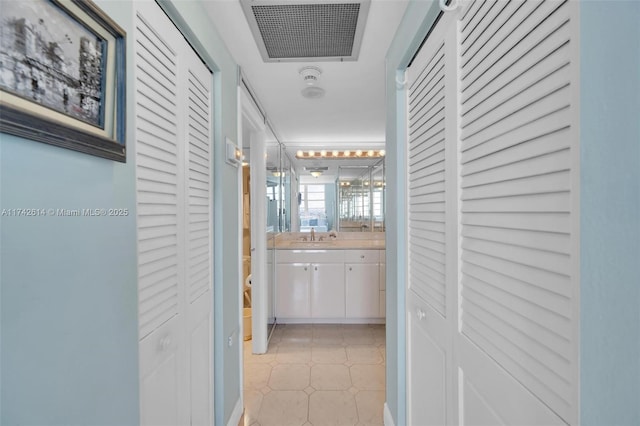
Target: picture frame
[62,76]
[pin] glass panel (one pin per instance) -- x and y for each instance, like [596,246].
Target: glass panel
[361,198]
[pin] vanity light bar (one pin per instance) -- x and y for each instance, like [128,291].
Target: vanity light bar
[311,154]
[366,183]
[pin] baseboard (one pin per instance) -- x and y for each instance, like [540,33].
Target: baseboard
[236,414]
[331,320]
[388,419]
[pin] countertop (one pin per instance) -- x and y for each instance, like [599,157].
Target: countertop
[331,244]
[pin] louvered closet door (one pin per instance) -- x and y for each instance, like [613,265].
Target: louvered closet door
[160,246]
[173,159]
[431,214]
[199,241]
[518,176]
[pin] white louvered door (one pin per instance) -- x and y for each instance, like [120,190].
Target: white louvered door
[173,167]
[516,211]
[519,156]
[431,221]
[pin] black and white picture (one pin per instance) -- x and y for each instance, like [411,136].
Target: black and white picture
[51,59]
[62,75]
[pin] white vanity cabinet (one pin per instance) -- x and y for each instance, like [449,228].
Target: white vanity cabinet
[329,285]
[310,284]
[327,290]
[362,283]
[293,290]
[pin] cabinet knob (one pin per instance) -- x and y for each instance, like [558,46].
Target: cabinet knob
[350,268]
[362,256]
[420,313]
[316,268]
[305,268]
[164,343]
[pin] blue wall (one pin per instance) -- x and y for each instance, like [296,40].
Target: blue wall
[610,213]
[68,284]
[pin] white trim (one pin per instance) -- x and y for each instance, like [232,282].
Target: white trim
[236,414]
[331,321]
[576,149]
[388,418]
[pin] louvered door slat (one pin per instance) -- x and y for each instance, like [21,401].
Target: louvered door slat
[554,328]
[199,182]
[543,299]
[426,181]
[549,55]
[157,159]
[516,184]
[540,381]
[535,108]
[538,21]
[551,351]
[499,108]
[550,130]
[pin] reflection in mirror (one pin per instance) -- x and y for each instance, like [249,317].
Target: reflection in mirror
[361,198]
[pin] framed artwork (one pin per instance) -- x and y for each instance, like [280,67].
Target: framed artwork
[62,76]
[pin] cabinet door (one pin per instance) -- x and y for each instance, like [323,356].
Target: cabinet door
[327,290]
[292,290]
[362,290]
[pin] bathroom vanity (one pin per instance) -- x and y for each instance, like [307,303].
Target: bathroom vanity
[330,281]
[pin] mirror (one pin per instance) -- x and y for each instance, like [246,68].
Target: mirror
[361,198]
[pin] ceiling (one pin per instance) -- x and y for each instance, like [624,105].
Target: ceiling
[350,115]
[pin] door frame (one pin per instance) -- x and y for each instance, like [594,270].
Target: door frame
[257,165]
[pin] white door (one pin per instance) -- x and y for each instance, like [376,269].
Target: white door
[261,296]
[493,216]
[327,290]
[173,178]
[431,158]
[199,235]
[519,156]
[293,290]
[362,290]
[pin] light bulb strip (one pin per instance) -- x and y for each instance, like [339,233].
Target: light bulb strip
[335,154]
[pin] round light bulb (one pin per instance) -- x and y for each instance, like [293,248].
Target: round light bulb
[336,153]
[299,154]
[381,153]
[347,153]
[358,153]
[323,153]
[312,153]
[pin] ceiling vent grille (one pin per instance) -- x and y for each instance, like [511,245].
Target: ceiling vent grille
[302,31]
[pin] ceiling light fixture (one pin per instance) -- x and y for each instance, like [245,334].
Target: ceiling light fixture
[316,173]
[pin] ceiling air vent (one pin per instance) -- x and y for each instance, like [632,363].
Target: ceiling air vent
[299,31]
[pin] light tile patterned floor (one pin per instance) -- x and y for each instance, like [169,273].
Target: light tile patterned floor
[317,375]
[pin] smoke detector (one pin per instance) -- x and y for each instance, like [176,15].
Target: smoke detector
[310,76]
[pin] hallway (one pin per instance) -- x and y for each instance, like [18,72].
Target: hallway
[321,374]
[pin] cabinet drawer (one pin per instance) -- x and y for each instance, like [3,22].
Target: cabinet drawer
[309,256]
[362,256]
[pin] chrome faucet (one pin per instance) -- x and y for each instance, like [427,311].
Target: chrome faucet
[313,234]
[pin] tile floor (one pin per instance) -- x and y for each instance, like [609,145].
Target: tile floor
[317,375]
